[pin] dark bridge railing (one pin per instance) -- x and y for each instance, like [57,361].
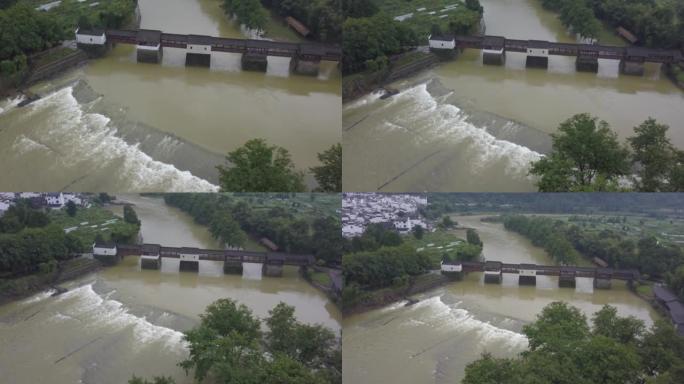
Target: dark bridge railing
[219,255]
[551,270]
[654,55]
[223,44]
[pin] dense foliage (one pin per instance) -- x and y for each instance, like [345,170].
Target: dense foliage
[384,267]
[375,236]
[653,205]
[329,174]
[372,37]
[576,15]
[259,167]
[249,13]
[24,31]
[587,156]
[229,347]
[28,243]
[564,241]
[320,236]
[565,349]
[322,17]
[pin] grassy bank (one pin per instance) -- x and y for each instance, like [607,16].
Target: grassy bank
[21,287]
[369,300]
[399,67]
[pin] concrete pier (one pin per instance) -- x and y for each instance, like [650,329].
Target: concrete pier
[527,275]
[537,54]
[587,62]
[493,273]
[603,278]
[631,68]
[307,67]
[198,51]
[567,278]
[150,262]
[233,267]
[272,268]
[254,61]
[493,51]
[148,54]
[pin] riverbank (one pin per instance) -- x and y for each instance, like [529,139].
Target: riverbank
[370,300]
[25,286]
[400,67]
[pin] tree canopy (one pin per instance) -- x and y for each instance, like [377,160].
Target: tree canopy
[565,349]
[329,174]
[259,167]
[230,347]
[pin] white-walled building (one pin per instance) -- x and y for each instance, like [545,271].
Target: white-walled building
[442,42]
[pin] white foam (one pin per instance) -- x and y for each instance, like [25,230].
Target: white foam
[103,311]
[38,297]
[8,104]
[23,145]
[438,314]
[448,122]
[365,100]
[90,137]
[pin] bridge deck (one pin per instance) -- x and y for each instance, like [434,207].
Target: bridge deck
[554,270]
[222,255]
[577,49]
[224,44]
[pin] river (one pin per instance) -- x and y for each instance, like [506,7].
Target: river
[118,125]
[433,340]
[464,126]
[123,320]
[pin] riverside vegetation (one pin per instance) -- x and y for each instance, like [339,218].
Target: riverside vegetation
[381,261]
[259,167]
[25,31]
[375,43]
[33,242]
[297,223]
[587,156]
[564,348]
[229,346]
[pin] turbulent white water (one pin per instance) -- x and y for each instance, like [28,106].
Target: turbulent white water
[83,304]
[444,121]
[417,141]
[73,136]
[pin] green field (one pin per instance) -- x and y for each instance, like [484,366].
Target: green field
[434,12]
[88,222]
[666,229]
[434,244]
[308,206]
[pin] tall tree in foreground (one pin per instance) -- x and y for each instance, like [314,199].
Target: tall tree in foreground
[229,347]
[258,167]
[564,349]
[656,158]
[329,175]
[586,156]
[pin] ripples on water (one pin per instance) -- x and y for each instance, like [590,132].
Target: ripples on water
[68,137]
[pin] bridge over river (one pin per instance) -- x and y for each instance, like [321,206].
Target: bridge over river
[305,58]
[527,273]
[151,256]
[494,50]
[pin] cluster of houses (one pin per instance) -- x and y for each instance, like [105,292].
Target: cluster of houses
[55,200]
[397,211]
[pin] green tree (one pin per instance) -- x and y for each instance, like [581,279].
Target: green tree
[418,231]
[329,174]
[473,238]
[654,154]
[675,281]
[447,222]
[130,216]
[622,329]
[258,167]
[71,208]
[224,228]
[586,156]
